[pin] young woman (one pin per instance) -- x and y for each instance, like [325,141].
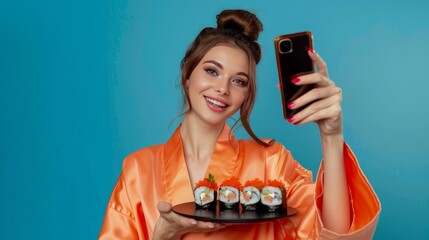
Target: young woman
[218,79]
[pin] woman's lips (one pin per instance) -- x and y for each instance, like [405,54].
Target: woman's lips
[216,105]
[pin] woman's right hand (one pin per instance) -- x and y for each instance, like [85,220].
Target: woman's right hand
[172,226]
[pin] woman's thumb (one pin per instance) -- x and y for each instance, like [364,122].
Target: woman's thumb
[163,207]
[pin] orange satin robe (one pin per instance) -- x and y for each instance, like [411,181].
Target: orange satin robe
[159,173]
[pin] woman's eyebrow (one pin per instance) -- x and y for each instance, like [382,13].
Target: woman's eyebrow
[221,67]
[215,63]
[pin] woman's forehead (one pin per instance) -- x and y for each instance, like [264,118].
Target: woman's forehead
[228,57]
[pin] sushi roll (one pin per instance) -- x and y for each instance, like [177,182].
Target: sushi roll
[250,196]
[229,194]
[273,196]
[205,193]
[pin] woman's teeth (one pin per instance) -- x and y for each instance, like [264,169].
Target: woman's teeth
[217,103]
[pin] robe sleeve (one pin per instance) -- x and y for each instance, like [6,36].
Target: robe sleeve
[365,206]
[307,197]
[119,220]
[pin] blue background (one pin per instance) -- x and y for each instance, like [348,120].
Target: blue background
[84,83]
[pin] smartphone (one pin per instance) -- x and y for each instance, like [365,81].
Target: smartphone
[291,52]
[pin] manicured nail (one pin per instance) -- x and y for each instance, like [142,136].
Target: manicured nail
[290,105]
[296,123]
[295,80]
[193,222]
[291,119]
[311,50]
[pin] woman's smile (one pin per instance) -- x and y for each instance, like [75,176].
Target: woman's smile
[216,105]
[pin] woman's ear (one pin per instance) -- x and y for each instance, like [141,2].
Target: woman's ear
[187,84]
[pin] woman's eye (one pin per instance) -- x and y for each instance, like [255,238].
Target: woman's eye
[211,71]
[240,82]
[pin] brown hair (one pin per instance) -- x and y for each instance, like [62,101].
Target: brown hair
[236,28]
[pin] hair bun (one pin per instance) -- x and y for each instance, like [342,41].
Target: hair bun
[241,21]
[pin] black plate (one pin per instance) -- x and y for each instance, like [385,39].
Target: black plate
[229,216]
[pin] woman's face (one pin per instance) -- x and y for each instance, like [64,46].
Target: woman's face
[219,84]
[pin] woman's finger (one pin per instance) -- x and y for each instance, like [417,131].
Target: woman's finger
[333,112]
[207,226]
[164,209]
[320,64]
[313,78]
[314,95]
[318,110]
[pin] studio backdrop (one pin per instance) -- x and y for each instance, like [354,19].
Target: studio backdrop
[85,83]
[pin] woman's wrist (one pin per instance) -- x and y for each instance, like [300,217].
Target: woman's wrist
[332,138]
[332,147]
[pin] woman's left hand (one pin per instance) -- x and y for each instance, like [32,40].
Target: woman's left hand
[325,99]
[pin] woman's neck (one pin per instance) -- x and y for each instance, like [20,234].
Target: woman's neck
[199,138]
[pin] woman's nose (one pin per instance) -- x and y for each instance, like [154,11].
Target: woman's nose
[222,87]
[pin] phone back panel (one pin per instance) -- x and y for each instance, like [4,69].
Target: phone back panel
[293,61]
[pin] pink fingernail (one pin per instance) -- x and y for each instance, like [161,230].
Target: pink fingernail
[296,123]
[290,105]
[295,80]
[291,119]
[311,50]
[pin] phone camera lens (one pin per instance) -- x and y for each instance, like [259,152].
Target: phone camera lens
[285,46]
